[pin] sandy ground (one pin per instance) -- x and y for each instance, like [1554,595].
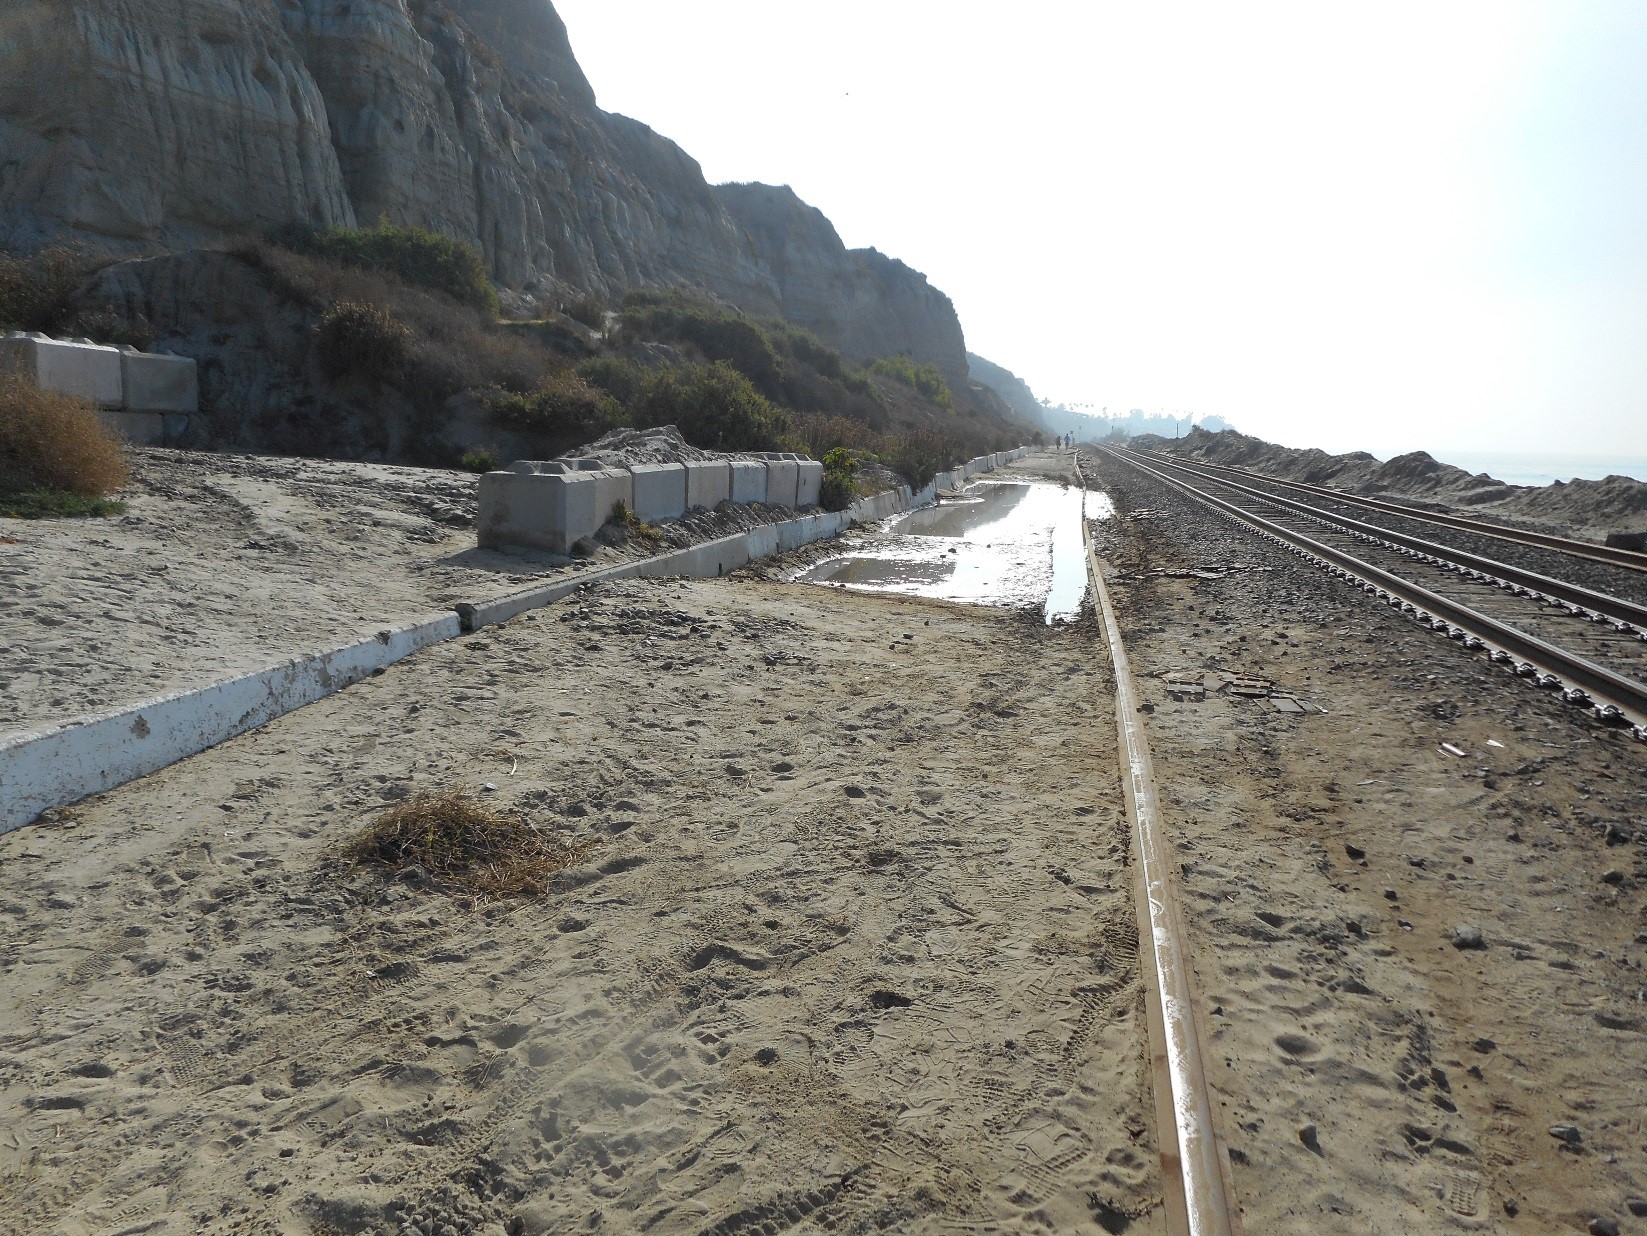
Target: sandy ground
[855,949]
[1375,1077]
[228,563]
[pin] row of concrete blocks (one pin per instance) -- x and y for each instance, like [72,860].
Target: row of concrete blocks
[555,504]
[957,477]
[112,378]
[146,397]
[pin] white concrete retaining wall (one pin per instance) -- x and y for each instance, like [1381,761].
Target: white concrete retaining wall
[53,767]
[708,483]
[157,382]
[49,768]
[69,367]
[660,491]
[748,480]
[143,392]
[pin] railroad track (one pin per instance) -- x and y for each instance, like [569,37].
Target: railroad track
[1562,637]
[1627,558]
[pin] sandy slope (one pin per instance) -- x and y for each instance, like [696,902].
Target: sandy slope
[228,563]
[1376,1078]
[855,949]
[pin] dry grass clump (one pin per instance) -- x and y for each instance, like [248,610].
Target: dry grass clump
[54,442]
[465,846]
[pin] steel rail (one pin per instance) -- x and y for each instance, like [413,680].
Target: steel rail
[1187,1141]
[1628,558]
[1626,695]
[1587,598]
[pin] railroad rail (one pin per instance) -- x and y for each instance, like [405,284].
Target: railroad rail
[1589,646]
[1631,559]
[1197,1191]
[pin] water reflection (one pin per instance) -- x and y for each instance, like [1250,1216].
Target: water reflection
[998,544]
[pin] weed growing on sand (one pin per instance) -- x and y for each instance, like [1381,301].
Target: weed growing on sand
[56,457]
[465,847]
[55,504]
[634,524]
[478,460]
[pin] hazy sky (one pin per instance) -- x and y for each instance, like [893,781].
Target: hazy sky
[1351,225]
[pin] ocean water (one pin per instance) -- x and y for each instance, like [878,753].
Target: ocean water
[1533,469]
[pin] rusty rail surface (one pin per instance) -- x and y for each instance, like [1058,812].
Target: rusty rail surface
[1192,1156]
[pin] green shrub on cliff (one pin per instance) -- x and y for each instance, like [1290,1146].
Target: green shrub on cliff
[720,334]
[925,380]
[420,257]
[356,340]
[714,406]
[37,291]
[624,380]
[564,407]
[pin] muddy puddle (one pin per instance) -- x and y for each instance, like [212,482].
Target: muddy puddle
[998,543]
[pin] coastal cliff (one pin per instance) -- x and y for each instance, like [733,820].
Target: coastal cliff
[143,126]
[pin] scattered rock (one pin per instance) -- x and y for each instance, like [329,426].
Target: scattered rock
[734,770]
[1602,1225]
[767,1055]
[1355,852]
[1614,877]
[1636,1206]
[1567,1133]
[853,791]
[1390,894]
[1270,918]
[1485,1045]
[1310,1139]
[1467,937]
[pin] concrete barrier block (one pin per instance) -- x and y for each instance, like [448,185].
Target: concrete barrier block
[550,505]
[156,382]
[660,490]
[69,367]
[708,483]
[782,477]
[748,480]
[808,483]
[926,496]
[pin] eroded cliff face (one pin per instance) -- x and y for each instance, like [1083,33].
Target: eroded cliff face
[168,124]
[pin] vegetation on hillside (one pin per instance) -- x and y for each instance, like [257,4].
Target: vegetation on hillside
[390,322]
[422,258]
